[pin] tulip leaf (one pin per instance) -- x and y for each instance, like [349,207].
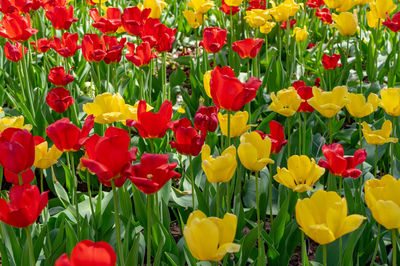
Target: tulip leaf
[348,254]
[62,194]
[279,223]
[247,246]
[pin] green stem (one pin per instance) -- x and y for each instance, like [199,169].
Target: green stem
[148,241]
[289,133]
[75,191]
[229,128]
[150,80]
[117,225]
[41,180]
[304,132]
[324,255]
[90,197]
[258,215]
[394,247]
[141,89]
[217,200]
[30,244]
[376,160]
[376,246]
[108,78]
[361,146]
[392,146]
[299,131]
[164,77]
[271,217]
[192,181]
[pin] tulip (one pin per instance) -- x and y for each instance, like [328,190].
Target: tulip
[206,82]
[102,153]
[228,9]
[13,122]
[378,11]
[286,102]
[301,173]
[67,46]
[267,27]
[195,20]
[59,99]
[283,11]
[238,123]
[329,103]
[113,48]
[44,157]
[88,252]
[233,2]
[7,7]
[61,17]
[92,48]
[149,31]
[315,3]
[187,140]
[152,125]
[156,7]
[277,136]
[305,93]
[221,168]
[254,151]
[158,35]
[358,107]
[68,137]
[14,52]
[201,6]
[206,119]
[323,217]
[143,54]
[131,111]
[382,198]
[378,137]
[391,101]
[229,92]
[210,238]
[58,77]
[42,45]
[301,34]
[26,204]
[393,24]
[257,17]
[346,23]
[257,4]
[153,172]
[339,165]
[108,24]
[16,28]
[133,19]
[324,15]
[247,47]
[284,24]
[330,62]
[340,5]
[213,39]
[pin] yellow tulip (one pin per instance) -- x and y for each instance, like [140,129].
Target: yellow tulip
[221,168]
[301,33]
[238,123]
[341,5]
[285,10]
[206,82]
[391,101]
[380,136]
[267,27]
[358,107]
[233,2]
[254,151]
[99,1]
[106,108]
[378,10]
[210,238]
[44,157]
[156,7]
[301,173]
[382,198]
[195,20]
[201,6]
[346,23]
[14,122]
[257,17]
[329,103]
[286,102]
[323,217]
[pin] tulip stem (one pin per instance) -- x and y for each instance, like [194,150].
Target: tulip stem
[361,146]
[90,197]
[376,245]
[392,146]
[289,133]
[117,225]
[271,217]
[165,95]
[217,200]
[376,160]
[304,132]
[148,240]
[324,255]
[257,175]
[41,180]
[75,190]
[394,247]
[192,181]
[108,78]
[150,79]
[229,128]
[299,131]
[30,244]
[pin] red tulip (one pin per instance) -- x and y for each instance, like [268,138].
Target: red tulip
[133,19]
[108,24]
[206,119]
[58,77]
[36,4]
[143,54]
[61,17]
[23,6]
[67,46]
[14,52]
[152,125]
[310,46]
[109,157]
[26,204]
[257,4]
[153,172]
[284,24]
[317,82]
[330,62]
[59,99]
[50,4]
[165,38]
[89,253]
[339,165]
[214,39]
[92,49]
[324,15]
[315,3]
[305,93]
[187,140]
[7,7]
[68,137]
[393,24]
[149,31]
[17,154]
[247,47]
[277,136]
[16,27]
[42,45]
[227,9]
[229,92]
[113,48]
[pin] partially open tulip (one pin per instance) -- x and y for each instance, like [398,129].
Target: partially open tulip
[213,39]
[67,46]
[330,61]
[133,19]
[228,9]
[301,173]
[142,56]
[380,136]
[277,136]
[378,11]
[58,77]
[358,107]
[68,137]
[206,119]
[201,6]
[257,4]
[230,93]
[158,35]
[324,15]
[187,140]
[15,52]
[238,123]
[267,27]
[42,45]
[323,217]
[221,168]
[103,153]
[59,99]
[340,5]
[394,23]
[88,252]
[382,198]
[109,23]
[391,101]
[300,33]
[285,102]
[346,23]
[107,108]
[340,165]
[45,157]
[254,151]
[108,48]
[61,17]
[26,204]
[156,7]
[194,19]
[153,172]
[14,122]
[209,239]
[16,28]
[291,22]
[305,93]
[247,48]
[329,103]
[257,17]
[285,10]
[315,3]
